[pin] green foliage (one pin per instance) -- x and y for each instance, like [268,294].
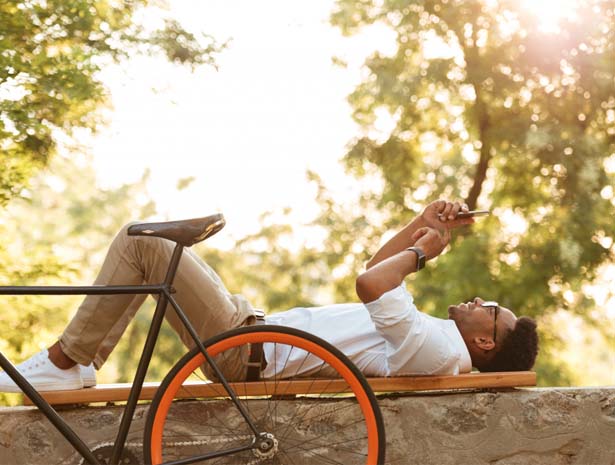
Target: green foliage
[50,56]
[505,116]
[269,270]
[510,118]
[57,234]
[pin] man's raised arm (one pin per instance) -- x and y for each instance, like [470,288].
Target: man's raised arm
[429,218]
[389,273]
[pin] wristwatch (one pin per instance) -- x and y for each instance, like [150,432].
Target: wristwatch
[420,257]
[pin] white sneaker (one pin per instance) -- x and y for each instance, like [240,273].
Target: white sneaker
[88,375]
[43,375]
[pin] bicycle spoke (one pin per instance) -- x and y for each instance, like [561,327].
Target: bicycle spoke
[276,383]
[330,444]
[322,428]
[323,458]
[308,390]
[288,457]
[328,413]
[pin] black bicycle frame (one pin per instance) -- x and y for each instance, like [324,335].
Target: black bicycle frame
[164,292]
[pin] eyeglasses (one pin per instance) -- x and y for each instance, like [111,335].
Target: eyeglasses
[496,310]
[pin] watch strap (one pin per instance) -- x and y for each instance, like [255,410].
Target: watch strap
[420,257]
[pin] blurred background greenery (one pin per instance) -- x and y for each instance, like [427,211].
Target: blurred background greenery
[480,101]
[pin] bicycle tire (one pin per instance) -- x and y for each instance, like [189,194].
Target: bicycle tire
[177,428]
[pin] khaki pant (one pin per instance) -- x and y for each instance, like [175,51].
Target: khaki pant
[131,260]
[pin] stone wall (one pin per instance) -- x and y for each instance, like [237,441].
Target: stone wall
[518,427]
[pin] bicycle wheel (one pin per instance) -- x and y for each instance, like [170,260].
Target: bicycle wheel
[335,419]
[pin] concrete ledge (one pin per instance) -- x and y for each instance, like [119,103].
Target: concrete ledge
[519,427]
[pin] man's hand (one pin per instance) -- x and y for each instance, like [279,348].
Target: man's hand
[448,212]
[428,219]
[431,241]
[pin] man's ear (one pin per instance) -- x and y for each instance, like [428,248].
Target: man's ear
[484,343]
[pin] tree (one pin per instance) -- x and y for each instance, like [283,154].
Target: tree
[271,272]
[57,233]
[50,56]
[489,108]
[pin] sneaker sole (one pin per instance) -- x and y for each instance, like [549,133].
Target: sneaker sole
[45,387]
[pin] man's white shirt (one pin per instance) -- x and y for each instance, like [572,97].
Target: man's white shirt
[386,337]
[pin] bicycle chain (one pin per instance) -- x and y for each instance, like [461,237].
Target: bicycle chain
[256,461]
[139,444]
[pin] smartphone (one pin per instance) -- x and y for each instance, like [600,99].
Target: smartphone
[470,214]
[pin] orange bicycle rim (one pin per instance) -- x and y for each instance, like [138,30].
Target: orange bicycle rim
[250,338]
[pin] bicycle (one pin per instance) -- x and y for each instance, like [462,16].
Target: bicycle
[241,422]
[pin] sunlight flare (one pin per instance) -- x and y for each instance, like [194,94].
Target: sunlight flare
[550,13]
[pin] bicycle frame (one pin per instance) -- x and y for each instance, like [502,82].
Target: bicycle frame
[164,291]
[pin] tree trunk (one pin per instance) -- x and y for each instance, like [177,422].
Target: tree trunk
[485,150]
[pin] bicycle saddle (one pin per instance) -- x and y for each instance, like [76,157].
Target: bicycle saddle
[184,232]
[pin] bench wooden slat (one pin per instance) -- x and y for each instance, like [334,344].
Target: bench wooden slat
[119,392]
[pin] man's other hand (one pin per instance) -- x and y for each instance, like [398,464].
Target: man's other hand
[431,241]
[442,215]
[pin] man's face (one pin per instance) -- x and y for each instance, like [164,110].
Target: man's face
[473,321]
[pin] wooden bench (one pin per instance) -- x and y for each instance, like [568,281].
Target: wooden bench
[119,392]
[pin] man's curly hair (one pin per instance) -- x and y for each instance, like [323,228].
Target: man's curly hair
[519,348]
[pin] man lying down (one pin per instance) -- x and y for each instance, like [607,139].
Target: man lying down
[384,335]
